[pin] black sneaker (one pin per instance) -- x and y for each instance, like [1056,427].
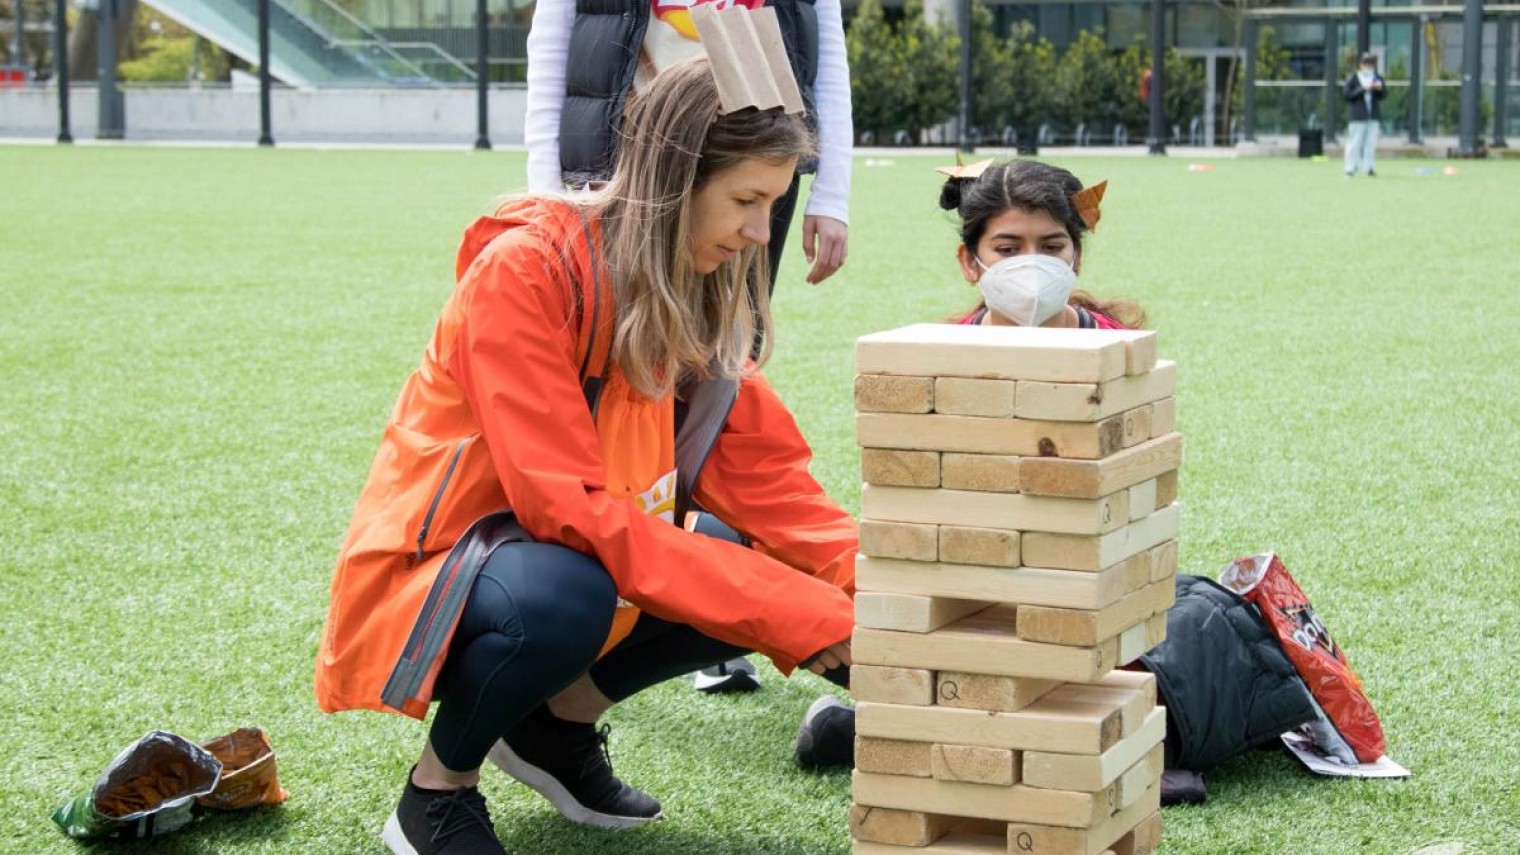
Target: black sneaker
[568,763]
[441,822]
[735,675]
[826,737]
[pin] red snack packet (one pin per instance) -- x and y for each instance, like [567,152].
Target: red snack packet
[1265,582]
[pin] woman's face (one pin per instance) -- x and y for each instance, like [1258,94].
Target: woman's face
[733,210]
[1017,232]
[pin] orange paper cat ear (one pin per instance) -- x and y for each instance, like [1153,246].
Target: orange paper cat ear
[969,172]
[1088,204]
[748,58]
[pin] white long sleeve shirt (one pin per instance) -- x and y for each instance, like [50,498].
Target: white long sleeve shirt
[549,53]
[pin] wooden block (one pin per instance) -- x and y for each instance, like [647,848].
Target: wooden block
[1090,402]
[1133,703]
[970,644]
[891,756]
[1096,552]
[990,473]
[978,435]
[1137,425]
[1013,804]
[992,547]
[1143,839]
[1091,479]
[1071,589]
[912,686]
[964,396]
[1071,771]
[1163,561]
[1155,631]
[1088,726]
[1166,489]
[1084,628]
[1132,643]
[899,467]
[974,764]
[1140,353]
[1047,839]
[988,692]
[1135,780]
[1142,500]
[885,393]
[955,843]
[910,613]
[908,541]
[996,510]
[1164,417]
[897,827]
[997,352]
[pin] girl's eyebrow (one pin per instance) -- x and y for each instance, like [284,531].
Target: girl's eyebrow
[1049,236]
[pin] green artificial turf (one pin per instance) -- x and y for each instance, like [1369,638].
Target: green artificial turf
[199,348]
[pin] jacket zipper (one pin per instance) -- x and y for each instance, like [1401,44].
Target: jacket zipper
[448,475]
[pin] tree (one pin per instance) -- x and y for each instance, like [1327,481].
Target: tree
[932,59]
[1125,71]
[878,75]
[1030,77]
[1080,87]
[991,61]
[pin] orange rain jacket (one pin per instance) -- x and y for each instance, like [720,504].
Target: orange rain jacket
[495,417]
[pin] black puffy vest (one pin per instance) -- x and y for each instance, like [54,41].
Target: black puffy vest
[605,44]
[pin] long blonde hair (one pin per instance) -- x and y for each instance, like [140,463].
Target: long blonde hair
[672,322]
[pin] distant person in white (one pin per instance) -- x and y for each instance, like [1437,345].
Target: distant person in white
[593,71]
[1364,91]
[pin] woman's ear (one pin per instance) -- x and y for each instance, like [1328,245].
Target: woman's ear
[1076,263]
[968,264]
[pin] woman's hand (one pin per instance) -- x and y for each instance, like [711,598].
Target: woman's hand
[829,658]
[825,244]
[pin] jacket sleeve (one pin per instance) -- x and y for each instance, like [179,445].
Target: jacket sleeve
[514,360]
[756,480]
[1381,92]
[1352,90]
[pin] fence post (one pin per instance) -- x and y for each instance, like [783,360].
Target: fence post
[1501,81]
[266,80]
[61,64]
[1157,141]
[482,78]
[1417,82]
[1469,118]
[1332,79]
[111,110]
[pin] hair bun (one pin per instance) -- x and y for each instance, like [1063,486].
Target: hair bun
[950,194]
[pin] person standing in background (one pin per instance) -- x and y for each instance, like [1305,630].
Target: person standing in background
[1364,91]
[586,57]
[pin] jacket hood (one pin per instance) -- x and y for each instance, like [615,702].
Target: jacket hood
[544,212]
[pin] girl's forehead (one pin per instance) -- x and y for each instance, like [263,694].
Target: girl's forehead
[1017,222]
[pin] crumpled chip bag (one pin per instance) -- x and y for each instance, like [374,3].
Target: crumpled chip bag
[148,790]
[248,778]
[1348,729]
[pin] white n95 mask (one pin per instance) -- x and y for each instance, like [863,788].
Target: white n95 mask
[1027,289]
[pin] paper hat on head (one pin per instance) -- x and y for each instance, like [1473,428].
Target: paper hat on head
[1088,204]
[748,58]
[969,172]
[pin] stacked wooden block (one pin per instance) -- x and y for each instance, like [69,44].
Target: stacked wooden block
[1018,545]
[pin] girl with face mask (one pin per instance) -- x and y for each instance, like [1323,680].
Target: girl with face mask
[1022,225]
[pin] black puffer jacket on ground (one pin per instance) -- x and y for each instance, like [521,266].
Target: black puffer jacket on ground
[1227,684]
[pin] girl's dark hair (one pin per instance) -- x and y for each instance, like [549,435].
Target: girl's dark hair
[1034,187]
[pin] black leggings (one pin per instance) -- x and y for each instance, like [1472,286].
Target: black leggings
[534,622]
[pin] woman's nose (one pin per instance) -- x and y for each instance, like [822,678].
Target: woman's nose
[757,230]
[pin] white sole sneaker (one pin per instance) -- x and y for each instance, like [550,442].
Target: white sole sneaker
[394,839]
[504,758]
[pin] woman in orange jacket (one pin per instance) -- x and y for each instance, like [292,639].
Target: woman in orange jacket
[590,373]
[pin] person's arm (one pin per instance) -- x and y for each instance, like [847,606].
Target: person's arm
[1353,88]
[548,54]
[1379,88]
[757,481]
[825,223]
[514,360]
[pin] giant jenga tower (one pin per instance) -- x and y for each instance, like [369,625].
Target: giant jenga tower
[1018,544]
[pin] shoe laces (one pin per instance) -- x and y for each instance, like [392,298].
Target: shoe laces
[599,751]
[457,811]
